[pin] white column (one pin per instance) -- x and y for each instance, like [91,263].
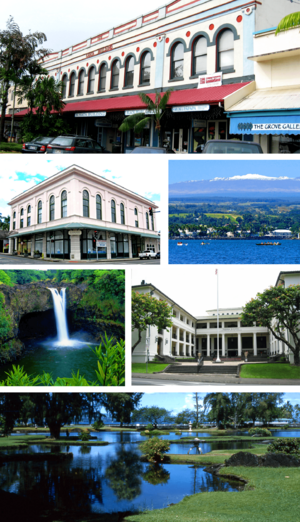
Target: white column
[129,246]
[254,345]
[208,344]
[108,249]
[177,341]
[184,343]
[11,245]
[239,345]
[44,245]
[223,345]
[75,253]
[32,245]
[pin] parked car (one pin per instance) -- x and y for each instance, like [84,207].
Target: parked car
[157,256]
[37,146]
[152,150]
[231,147]
[73,144]
[148,254]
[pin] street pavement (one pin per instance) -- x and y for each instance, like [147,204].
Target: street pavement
[165,379]
[17,260]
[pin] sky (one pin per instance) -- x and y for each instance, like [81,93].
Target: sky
[70,22]
[194,288]
[225,168]
[19,173]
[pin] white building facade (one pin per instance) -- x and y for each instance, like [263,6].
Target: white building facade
[76,214]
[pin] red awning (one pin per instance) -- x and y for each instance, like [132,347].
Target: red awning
[208,95]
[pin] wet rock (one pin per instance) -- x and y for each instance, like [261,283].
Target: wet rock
[243,458]
[279,460]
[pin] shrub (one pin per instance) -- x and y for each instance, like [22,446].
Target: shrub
[260,431]
[149,427]
[98,424]
[84,436]
[288,446]
[154,449]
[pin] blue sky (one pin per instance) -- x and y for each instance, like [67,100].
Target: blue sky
[185,170]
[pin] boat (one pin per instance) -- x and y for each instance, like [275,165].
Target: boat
[185,244]
[268,244]
[179,244]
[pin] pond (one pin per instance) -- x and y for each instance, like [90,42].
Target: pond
[104,480]
[123,436]
[285,433]
[207,447]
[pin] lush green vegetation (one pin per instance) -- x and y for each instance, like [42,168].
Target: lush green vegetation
[10,147]
[270,371]
[260,431]
[154,449]
[152,367]
[288,446]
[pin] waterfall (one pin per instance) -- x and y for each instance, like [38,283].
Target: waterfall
[60,310]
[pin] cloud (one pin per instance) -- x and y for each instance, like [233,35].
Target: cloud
[252,177]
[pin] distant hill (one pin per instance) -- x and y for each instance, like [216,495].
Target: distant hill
[252,185]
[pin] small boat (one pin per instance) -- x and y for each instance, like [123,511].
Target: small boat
[268,244]
[185,244]
[179,244]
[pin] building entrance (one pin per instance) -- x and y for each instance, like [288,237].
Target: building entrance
[232,350]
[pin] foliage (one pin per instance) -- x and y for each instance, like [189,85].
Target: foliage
[288,22]
[148,311]
[121,405]
[152,367]
[153,414]
[289,446]
[264,432]
[98,424]
[269,371]
[185,416]
[154,449]
[5,320]
[33,126]
[123,474]
[277,308]
[156,474]
[84,436]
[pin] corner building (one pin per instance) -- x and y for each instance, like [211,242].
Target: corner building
[75,212]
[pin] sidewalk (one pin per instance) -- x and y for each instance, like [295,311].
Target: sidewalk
[225,379]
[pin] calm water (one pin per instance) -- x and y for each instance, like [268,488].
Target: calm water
[124,436]
[234,252]
[104,480]
[207,447]
[285,433]
[60,362]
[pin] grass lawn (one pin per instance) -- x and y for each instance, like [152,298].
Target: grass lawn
[231,217]
[10,147]
[271,495]
[12,442]
[270,371]
[152,367]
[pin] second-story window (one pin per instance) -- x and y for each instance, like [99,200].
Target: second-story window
[91,80]
[129,72]
[199,56]
[115,72]
[86,204]
[152,222]
[72,85]
[40,208]
[113,211]
[136,222]
[147,220]
[81,82]
[21,218]
[52,208]
[226,51]
[177,61]
[98,207]
[14,222]
[64,204]
[28,215]
[64,85]
[145,68]
[102,77]
[122,214]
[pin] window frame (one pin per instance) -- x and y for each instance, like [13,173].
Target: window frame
[102,66]
[113,211]
[72,85]
[230,68]
[89,89]
[85,205]
[40,212]
[129,60]
[137,218]
[194,57]
[98,207]
[143,67]
[174,47]
[64,86]
[52,208]
[81,76]
[115,62]
[62,205]
[122,214]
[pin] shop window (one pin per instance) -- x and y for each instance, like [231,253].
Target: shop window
[147,220]
[81,82]
[145,68]
[122,213]
[113,211]
[136,218]
[102,77]
[129,72]
[86,204]
[225,51]
[72,85]
[91,80]
[64,85]
[52,208]
[199,56]
[98,207]
[115,73]
[40,208]
[64,204]
[177,61]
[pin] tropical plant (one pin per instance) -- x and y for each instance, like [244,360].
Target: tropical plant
[289,446]
[264,432]
[156,109]
[154,449]
[84,436]
[288,22]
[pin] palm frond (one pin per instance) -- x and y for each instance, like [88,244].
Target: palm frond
[288,22]
[147,101]
[141,124]
[131,121]
[165,99]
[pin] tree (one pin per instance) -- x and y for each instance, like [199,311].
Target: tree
[121,405]
[218,405]
[16,53]
[198,407]
[288,22]
[148,311]
[152,414]
[156,107]
[184,417]
[4,222]
[278,309]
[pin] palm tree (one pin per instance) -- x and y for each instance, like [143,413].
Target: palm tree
[48,96]
[288,22]
[156,108]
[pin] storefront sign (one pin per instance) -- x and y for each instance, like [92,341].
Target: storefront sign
[265,125]
[191,108]
[102,123]
[101,244]
[269,126]
[210,80]
[89,114]
[100,51]
[138,111]
[199,123]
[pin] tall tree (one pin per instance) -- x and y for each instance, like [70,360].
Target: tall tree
[198,407]
[17,51]
[218,407]
[152,414]
[278,309]
[148,311]
[121,405]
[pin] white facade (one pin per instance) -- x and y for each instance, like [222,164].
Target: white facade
[63,214]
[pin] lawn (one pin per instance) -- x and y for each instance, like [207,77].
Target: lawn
[270,371]
[13,442]
[10,147]
[152,367]
[231,217]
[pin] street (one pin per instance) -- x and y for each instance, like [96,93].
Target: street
[17,260]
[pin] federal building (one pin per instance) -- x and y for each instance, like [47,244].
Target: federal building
[77,214]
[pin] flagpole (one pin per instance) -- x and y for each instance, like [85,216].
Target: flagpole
[218,357]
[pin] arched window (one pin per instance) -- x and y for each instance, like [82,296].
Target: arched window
[29,209]
[177,61]
[81,82]
[98,207]
[145,68]
[64,204]
[28,215]
[91,80]
[86,204]
[39,212]
[115,72]
[136,218]
[152,222]
[52,208]
[226,51]
[22,212]
[113,211]
[102,77]
[72,85]
[147,220]
[21,218]
[199,56]
[64,86]
[122,214]
[129,72]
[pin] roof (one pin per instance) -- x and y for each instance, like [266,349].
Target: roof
[209,95]
[70,226]
[284,273]
[171,300]
[269,99]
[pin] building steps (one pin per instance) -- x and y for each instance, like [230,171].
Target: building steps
[225,370]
